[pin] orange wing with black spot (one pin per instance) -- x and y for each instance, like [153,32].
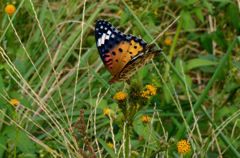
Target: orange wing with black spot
[118,50]
[121,54]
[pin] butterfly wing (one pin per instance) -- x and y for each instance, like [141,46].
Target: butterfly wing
[136,63]
[115,48]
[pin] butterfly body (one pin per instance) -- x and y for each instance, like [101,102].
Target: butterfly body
[122,54]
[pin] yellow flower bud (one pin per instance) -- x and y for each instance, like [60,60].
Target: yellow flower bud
[183,146]
[10,9]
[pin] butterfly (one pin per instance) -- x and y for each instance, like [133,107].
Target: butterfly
[122,54]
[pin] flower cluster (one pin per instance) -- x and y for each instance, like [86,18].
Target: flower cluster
[150,91]
[183,146]
[120,96]
[14,101]
[145,119]
[110,144]
[106,112]
[138,106]
[168,41]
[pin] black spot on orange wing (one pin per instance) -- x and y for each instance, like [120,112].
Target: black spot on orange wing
[120,50]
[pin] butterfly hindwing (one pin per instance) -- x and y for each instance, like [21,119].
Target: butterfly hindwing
[135,64]
[121,54]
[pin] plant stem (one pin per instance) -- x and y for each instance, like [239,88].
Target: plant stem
[127,140]
[172,48]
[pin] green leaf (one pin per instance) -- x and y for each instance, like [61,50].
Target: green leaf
[103,103]
[124,18]
[199,14]
[188,22]
[232,86]
[143,72]
[2,118]
[138,126]
[1,85]
[195,63]
[188,2]
[237,64]
[114,7]
[225,111]
[167,96]
[208,6]
[20,66]
[22,141]
[206,42]
[233,15]
[219,38]
[180,65]
[106,147]
[3,145]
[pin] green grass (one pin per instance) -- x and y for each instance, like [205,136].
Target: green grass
[50,64]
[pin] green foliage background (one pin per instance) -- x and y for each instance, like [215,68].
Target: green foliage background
[50,64]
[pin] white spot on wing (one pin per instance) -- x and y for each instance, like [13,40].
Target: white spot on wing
[99,42]
[107,37]
[137,56]
[103,38]
[109,32]
[101,27]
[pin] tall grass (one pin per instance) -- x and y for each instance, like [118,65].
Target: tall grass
[66,106]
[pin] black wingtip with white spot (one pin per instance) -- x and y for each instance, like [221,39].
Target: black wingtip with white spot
[102,26]
[107,37]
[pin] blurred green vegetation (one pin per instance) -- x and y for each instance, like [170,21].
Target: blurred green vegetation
[62,98]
